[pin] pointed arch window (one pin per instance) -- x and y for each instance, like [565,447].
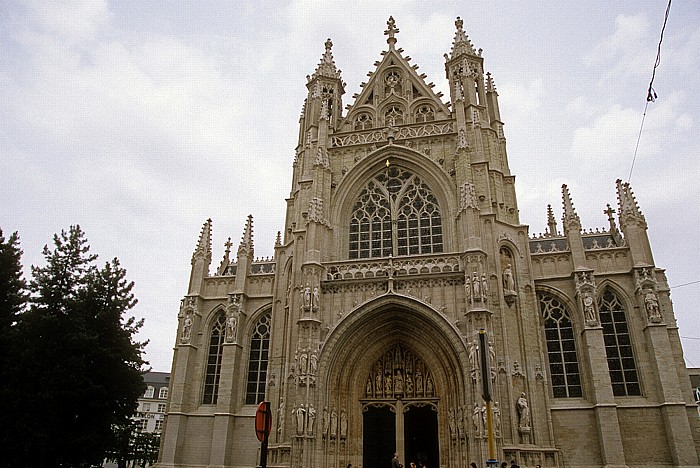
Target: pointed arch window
[395,214]
[393,115]
[618,346]
[213,369]
[363,122]
[561,348]
[257,361]
[424,113]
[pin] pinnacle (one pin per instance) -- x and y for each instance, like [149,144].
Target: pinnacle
[490,86]
[246,244]
[391,31]
[627,202]
[326,66]
[204,242]
[570,216]
[461,44]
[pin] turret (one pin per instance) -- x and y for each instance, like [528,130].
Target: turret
[245,255]
[201,260]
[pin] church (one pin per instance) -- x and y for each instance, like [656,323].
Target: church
[401,244]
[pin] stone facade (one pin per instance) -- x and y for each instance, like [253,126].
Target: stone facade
[402,241]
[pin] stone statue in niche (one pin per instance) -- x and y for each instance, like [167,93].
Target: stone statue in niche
[312,419]
[523,412]
[468,288]
[476,419]
[300,418]
[306,297]
[231,327]
[315,300]
[476,287]
[334,423]
[497,418]
[343,424]
[589,309]
[409,385]
[508,281]
[651,303]
[186,329]
[326,421]
[484,286]
[451,422]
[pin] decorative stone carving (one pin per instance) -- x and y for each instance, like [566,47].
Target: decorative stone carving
[497,419]
[451,423]
[311,419]
[651,304]
[403,133]
[462,142]
[280,416]
[467,197]
[523,410]
[315,213]
[231,327]
[334,424]
[586,292]
[326,422]
[476,419]
[299,414]
[343,424]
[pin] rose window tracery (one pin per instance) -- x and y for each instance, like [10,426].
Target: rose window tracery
[395,214]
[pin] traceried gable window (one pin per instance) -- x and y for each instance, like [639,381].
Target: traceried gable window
[213,369]
[561,348]
[257,362]
[425,113]
[393,115]
[618,346]
[363,122]
[395,214]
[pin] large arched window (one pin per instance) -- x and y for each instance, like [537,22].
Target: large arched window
[618,346]
[257,362]
[561,348]
[395,214]
[216,351]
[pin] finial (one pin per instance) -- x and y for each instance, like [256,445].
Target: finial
[203,248]
[571,221]
[226,260]
[490,87]
[246,245]
[459,23]
[278,241]
[461,44]
[326,66]
[628,208]
[391,31]
[551,221]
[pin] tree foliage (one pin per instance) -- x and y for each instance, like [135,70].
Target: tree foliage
[78,367]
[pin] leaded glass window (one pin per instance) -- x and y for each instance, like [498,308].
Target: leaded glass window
[395,214]
[213,369]
[257,362]
[393,115]
[618,346]
[561,348]
[363,122]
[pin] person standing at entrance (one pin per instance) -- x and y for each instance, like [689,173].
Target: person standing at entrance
[395,461]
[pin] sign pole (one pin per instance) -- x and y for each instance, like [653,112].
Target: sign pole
[486,393]
[263,424]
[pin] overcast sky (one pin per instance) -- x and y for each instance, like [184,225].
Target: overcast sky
[139,120]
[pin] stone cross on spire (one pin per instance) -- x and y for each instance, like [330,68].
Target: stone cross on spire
[391,31]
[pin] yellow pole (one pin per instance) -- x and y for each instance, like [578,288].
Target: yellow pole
[489,429]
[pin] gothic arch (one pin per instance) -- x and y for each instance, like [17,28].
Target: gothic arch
[355,180]
[354,345]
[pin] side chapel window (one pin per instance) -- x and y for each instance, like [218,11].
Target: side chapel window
[257,362]
[213,369]
[395,214]
[561,348]
[618,346]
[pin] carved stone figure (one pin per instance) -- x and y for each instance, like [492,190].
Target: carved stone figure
[312,419]
[409,385]
[429,387]
[186,329]
[468,287]
[343,424]
[326,421]
[508,281]
[460,420]
[589,309]
[476,286]
[523,412]
[451,422]
[300,418]
[231,327]
[484,286]
[388,385]
[303,360]
[334,423]
[368,388]
[315,299]
[476,419]
[497,418]
[398,384]
[378,383]
[651,302]
[313,364]
[419,383]
[484,419]
[306,297]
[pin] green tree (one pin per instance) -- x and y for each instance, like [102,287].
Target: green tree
[13,300]
[80,363]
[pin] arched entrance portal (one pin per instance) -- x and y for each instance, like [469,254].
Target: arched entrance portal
[400,410]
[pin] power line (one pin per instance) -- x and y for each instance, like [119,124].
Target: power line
[685,284]
[651,93]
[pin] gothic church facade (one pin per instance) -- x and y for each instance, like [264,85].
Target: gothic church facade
[401,241]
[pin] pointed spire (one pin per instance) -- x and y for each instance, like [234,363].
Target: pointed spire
[226,260]
[246,245]
[461,44]
[204,244]
[551,221]
[614,232]
[391,31]
[571,221]
[628,208]
[326,66]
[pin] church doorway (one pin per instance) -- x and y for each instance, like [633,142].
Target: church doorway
[421,435]
[379,436]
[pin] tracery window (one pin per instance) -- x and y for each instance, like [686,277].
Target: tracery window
[257,362]
[618,346]
[391,81]
[363,122]
[213,369]
[393,115]
[425,113]
[561,348]
[395,214]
